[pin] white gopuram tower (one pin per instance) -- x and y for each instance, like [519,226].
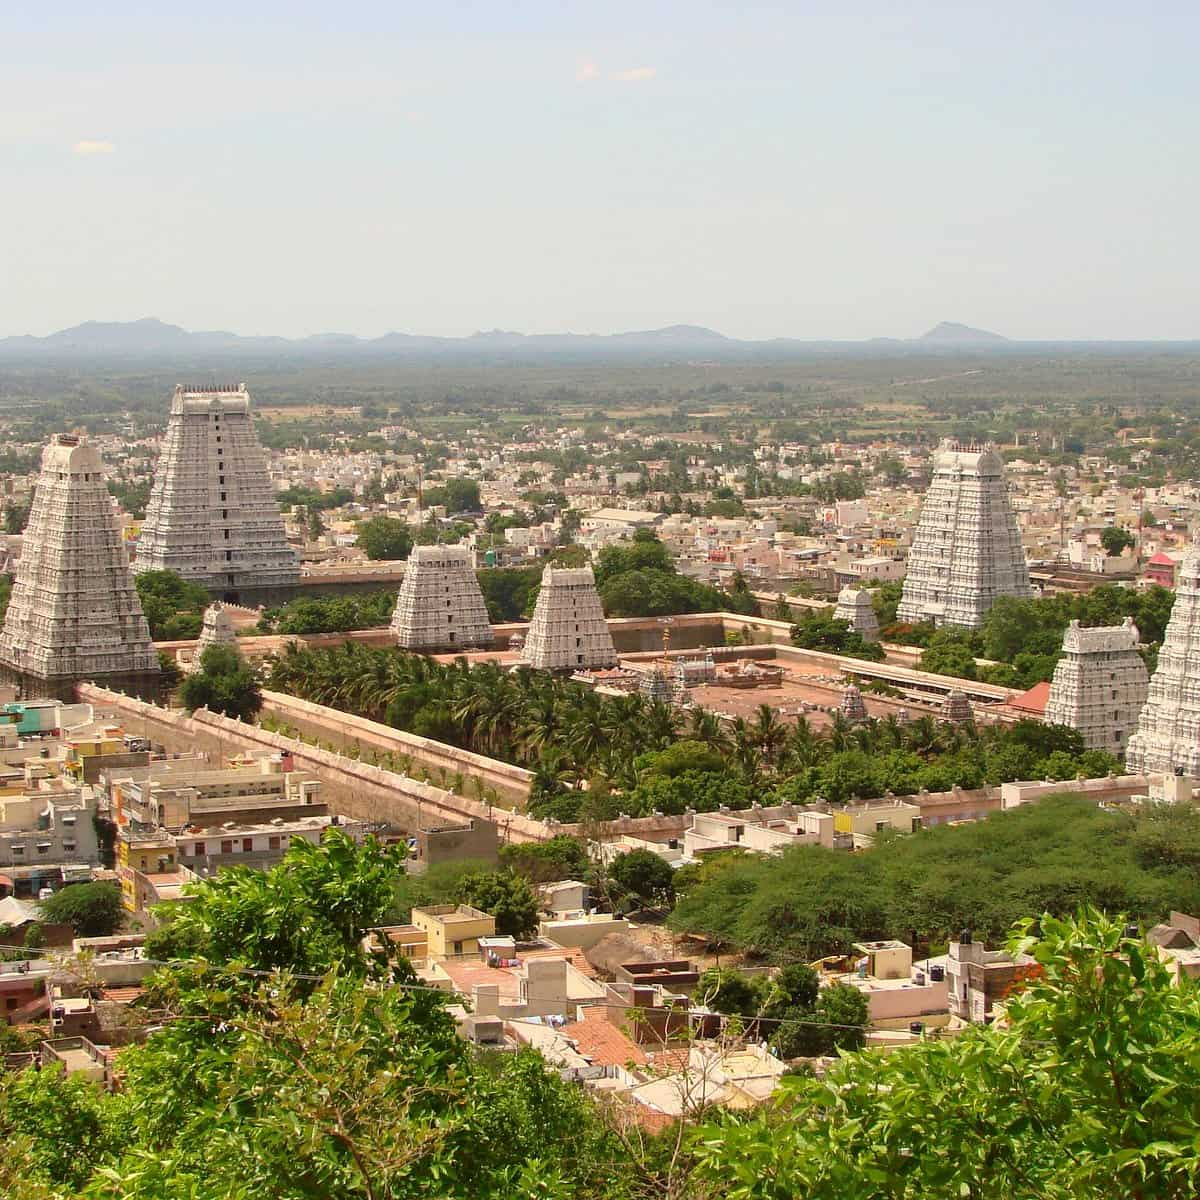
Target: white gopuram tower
[440,605]
[568,631]
[855,608]
[1099,685]
[74,613]
[966,549]
[212,516]
[216,629]
[1168,728]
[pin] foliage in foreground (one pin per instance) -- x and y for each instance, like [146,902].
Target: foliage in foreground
[292,1065]
[1092,1090]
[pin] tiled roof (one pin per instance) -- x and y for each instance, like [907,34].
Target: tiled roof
[601,1042]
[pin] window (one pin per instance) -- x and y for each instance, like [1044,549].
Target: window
[226,847]
[458,947]
[273,842]
[68,847]
[247,845]
[18,851]
[198,850]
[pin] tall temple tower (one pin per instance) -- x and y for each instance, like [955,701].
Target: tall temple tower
[966,549]
[1099,685]
[568,631]
[74,613]
[212,516]
[440,605]
[1168,728]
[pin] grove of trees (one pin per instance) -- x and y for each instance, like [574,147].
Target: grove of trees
[1050,857]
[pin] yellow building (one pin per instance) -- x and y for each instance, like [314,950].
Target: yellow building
[453,929]
[142,854]
[864,821]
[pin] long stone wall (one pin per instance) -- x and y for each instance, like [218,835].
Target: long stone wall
[351,732]
[349,786]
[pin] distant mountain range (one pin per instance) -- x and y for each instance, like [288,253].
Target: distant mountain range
[152,338]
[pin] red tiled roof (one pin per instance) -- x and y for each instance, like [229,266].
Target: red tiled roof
[122,995]
[602,1042]
[1034,700]
[572,954]
[1161,560]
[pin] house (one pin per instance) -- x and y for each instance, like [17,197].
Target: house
[978,980]
[717,831]
[897,992]
[863,821]
[453,930]
[1177,941]
[1161,569]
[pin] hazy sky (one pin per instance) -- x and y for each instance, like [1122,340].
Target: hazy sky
[811,170]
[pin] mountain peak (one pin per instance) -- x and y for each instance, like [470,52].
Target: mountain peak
[952,332]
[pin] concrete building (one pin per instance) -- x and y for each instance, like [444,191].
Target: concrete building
[453,930]
[212,516]
[568,630]
[47,838]
[863,821]
[74,612]
[440,605]
[979,980]
[966,548]
[713,832]
[1100,684]
[855,608]
[1168,729]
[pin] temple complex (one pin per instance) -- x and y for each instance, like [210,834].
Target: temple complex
[855,608]
[1168,729]
[966,548]
[440,605]
[74,613]
[1099,685]
[568,630]
[212,516]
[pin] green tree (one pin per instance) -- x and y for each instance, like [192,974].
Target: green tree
[726,990]
[1115,540]
[173,606]
[384,538]
[643,875]
[224,684]
[308,914]
[91,909]
[506,896]
[1090,1089]
[455,495]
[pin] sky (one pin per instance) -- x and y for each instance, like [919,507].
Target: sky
[792,170]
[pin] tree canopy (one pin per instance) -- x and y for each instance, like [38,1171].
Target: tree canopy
[384,538]
[91,909]
[174,607]
[1051,856]
[225,683]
